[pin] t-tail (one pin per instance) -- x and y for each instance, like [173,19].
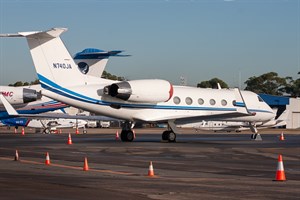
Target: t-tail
[54,65]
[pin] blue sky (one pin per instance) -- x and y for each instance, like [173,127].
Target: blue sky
[198,39]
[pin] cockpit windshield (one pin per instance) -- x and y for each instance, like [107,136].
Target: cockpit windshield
[260,99]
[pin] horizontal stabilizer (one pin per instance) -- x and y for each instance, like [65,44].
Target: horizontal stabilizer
[52,33]
[92,53]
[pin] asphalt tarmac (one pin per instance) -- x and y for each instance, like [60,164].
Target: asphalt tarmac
[205,165]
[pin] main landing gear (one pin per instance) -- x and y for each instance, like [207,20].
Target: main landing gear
[169,136]
[127,134]
[255,136]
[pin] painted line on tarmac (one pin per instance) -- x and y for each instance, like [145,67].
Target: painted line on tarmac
[70,167]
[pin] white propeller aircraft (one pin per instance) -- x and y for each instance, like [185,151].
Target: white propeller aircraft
[148,100]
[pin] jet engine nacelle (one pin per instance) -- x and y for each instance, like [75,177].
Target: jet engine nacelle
[151,91]
[18,95]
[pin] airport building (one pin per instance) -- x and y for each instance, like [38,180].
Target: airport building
[285,103]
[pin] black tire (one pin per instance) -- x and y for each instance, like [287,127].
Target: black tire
[124,136]
[130,136]
[47,131]
[127,136]
[171,136]
[164,135]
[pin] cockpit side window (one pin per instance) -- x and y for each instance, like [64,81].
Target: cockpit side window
[260,99]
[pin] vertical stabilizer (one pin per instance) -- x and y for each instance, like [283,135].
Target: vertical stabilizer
[54,64]
[52,60]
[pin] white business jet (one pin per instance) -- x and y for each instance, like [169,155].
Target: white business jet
[229,126]
[147,100]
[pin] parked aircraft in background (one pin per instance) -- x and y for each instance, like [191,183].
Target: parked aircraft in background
[147,100]
[27,100]
[19,96]
[47,125]
[236,126]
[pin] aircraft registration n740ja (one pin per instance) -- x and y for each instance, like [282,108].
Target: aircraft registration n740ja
[28,100]
[147,100]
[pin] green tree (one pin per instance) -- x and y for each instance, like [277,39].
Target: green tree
[292,87]
[107,75]
[212,83]
[37,81]
[268,83]
[18,84]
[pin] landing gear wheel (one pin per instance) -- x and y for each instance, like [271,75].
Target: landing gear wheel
[165,135]
[171,137]
[46,131]
[127,136]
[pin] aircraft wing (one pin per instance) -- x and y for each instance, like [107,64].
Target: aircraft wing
[217,117]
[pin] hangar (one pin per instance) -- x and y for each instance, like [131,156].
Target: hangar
[283,103]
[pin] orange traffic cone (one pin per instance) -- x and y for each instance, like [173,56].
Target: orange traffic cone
[47,162]
[23,131]
[133,134]
[16,131]
[151,170]
[281,138]
[280,175]
[69,139]
[117,136]
[86,166]
[17,156]
[77,131]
